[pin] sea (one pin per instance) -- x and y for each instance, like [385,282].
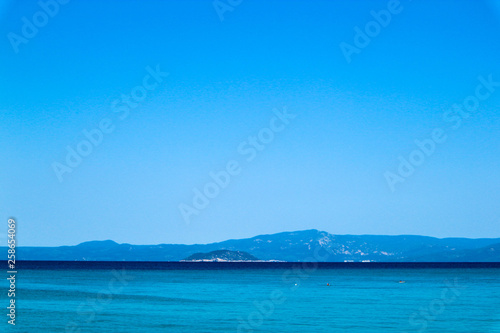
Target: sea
[253,297]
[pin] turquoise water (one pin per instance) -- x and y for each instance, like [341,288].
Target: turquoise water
[258,300]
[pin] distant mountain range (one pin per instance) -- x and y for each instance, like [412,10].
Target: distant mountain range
[307,245]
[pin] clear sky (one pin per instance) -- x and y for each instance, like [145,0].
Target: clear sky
[330,162]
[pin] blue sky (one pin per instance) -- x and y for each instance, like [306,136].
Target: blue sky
[226,80]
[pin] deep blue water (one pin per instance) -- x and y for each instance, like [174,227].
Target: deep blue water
[259,297]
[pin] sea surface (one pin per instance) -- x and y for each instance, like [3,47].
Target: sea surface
[254,297]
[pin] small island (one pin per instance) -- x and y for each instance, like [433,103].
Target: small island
[222,255]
